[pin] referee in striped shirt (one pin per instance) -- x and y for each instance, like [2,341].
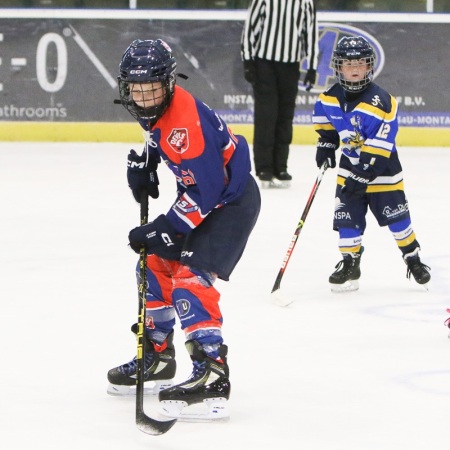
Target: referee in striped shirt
[276,36]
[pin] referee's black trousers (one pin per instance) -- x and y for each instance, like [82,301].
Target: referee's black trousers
[275,91]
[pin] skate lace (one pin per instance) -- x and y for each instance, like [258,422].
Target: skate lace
[416,266]
[344,264]
[198,369]
[203,373]
[131,367]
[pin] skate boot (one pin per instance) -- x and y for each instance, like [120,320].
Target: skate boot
[268,181]
[285,178]
[347,273]
[418,269]
[159,364]
[203,397]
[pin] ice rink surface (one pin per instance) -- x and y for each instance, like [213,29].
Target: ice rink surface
[368,370]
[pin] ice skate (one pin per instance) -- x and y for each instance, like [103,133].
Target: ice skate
[416,268]
[160,367]
[347,273]
[268,181]
[204,396]
[284,178]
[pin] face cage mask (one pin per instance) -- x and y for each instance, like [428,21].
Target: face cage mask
[151,114]
[353,86]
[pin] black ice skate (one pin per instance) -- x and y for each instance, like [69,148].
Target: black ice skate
[204,396]
[418,269]
[160,367]
[283,180]
[347,273]
[280,181]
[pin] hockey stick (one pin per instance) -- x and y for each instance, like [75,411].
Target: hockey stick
[276,296]
[144,423]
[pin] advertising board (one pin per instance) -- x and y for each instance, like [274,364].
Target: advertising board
[63,70]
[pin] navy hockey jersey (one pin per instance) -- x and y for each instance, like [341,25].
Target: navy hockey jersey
[211,165]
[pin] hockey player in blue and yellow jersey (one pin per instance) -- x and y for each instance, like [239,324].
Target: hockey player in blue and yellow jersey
[361,118]
[201,237]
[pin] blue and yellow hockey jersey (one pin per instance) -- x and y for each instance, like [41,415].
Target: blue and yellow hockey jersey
[365,129]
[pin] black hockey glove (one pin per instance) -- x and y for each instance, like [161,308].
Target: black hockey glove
[141,175]
[326,151]
[356,182]
[158,237]
[310,79]
[250,71]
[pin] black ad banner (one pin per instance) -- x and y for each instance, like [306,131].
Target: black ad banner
[65,70]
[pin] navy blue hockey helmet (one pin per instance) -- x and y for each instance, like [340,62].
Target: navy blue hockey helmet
[146,62]
[350,49]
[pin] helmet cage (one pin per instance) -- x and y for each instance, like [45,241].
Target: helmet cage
[353,49]
[147,62]
[150,114]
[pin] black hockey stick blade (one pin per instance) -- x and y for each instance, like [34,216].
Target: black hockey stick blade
[277,283]
[152,426]
[277,297]
[144,423]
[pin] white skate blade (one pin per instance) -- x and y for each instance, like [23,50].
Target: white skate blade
[348,286]
[275,184]
[150,388]
[210,410]
[425,286]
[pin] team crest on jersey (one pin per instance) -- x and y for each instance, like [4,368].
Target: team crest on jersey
[183,307]
[179,140]
[355,140]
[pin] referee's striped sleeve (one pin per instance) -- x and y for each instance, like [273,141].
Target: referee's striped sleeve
[281,30]
[312,34]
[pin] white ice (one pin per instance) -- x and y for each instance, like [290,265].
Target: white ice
[368,370]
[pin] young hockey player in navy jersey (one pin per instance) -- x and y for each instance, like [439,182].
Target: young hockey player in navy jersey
[201,237]
[361,118]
